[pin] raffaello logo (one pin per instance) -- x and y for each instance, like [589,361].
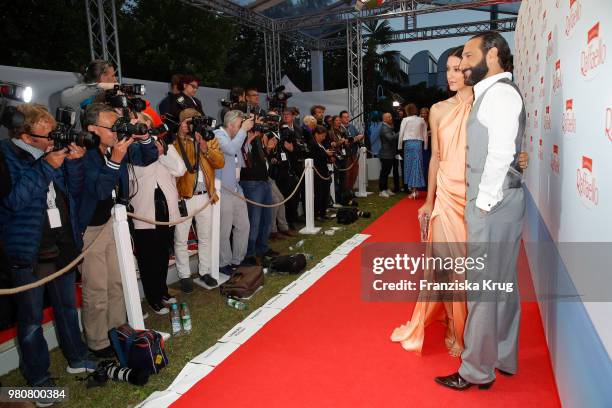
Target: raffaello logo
[541,150]
[557,83]
[543,23]
[550,47]
[608,128]
[554,160]
[537,64]
[531,144]
[528,122]
[568,124]
[531,94]
[594,55]
[573,16]
[542,90]
[547,119]
[535,119]
[586,183]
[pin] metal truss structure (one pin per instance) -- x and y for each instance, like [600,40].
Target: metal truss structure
[354,50]
[104,41]
[103,37]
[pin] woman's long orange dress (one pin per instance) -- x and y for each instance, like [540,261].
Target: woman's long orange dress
[447,225]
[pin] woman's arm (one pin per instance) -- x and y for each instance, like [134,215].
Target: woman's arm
[434,164]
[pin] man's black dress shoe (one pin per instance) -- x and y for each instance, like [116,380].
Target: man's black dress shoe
[506,373]
[455,382]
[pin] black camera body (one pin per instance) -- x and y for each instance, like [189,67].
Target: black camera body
[131,89]
[65,134]
[124,96]
[203,125]
[125,129]
[279,98]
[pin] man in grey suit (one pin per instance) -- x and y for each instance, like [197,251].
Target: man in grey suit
[494,213]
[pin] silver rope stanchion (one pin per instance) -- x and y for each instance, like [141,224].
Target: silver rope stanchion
[362,178]
[309,174]
[125,255]
[332,185]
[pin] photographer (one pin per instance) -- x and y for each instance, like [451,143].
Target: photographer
[320,156]
[106,182]
[318,111]
[154,196]
[339,143]
[254,182]
[164,105]
[236,101]
[291,152]
[355,139]
[98,76]
[196,187]
[188,86]
[252,100]
[234,213]
[40,234]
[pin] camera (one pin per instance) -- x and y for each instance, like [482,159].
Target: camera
[109,369]
[125,129]
[279,98]
[131,89]
[124,102]
[161,129]
[202,125]
[65,134]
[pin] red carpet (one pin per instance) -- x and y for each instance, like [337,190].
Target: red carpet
[331,349]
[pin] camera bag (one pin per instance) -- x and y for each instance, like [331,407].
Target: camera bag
[138,349]
[244,282]
[292,264]
[347,215]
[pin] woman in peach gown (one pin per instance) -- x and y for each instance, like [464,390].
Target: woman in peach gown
[447,229]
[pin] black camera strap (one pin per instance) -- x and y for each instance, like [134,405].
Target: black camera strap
[190,168]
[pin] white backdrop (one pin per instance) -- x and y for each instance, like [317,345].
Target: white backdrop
[563,68]
[48,84]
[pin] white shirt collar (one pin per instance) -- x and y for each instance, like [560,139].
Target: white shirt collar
[485,84]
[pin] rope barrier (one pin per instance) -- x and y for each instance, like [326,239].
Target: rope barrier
[352,164]
[19,289]
[243,198]
[169,223]
[320,175]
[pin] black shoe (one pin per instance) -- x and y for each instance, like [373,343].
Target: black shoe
[456,382]
[168,300]
[249,261]
[160,309]
[271,253]
[209,280]
[506,373]
[103,354]
[45,402]
[186,285]
[226,270]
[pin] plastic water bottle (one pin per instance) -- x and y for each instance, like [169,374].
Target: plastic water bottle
[176,319]
[297,245]
[236,304]
[185,318]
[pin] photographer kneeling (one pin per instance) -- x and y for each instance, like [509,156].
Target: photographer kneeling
[201,155]
[106,182]
[41,235]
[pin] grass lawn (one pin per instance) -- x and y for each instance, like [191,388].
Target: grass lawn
[211,319]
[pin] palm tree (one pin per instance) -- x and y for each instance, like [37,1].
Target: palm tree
[378,64]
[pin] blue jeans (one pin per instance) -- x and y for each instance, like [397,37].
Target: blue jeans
[260,218]
[33,346]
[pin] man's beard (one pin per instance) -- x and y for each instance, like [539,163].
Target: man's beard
[477,73]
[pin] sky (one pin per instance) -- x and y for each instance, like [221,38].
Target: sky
[437,47]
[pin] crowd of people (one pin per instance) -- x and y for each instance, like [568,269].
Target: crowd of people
[57,199]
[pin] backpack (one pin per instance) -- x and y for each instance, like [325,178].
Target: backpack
[292,264]
[138,349]
[347,215]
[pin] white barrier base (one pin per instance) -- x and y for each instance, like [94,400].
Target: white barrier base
[310,231]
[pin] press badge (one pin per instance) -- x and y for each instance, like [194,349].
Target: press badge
[330,167]
[343,152]
[283,156]
[55,221]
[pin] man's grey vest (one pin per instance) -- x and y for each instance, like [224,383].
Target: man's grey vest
[477,148]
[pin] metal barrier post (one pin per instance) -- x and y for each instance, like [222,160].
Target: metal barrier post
[309,179]
[362,178]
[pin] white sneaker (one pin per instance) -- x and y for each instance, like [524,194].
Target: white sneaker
[383,194]
[160,309]
[391,193]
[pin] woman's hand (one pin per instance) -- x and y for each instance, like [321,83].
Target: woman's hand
[425,210]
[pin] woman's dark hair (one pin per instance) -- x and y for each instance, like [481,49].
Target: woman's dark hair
[456,52]
[94,70]
[235,93]
[493,39]
[319,130]
[187,79]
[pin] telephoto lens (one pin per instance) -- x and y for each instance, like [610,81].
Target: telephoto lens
[135,377]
